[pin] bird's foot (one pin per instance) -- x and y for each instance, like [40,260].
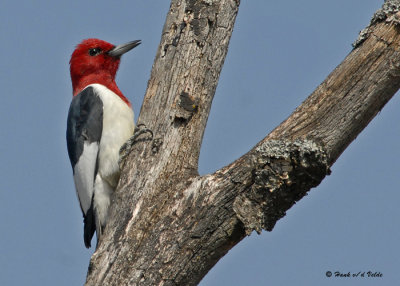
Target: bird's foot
[140,130]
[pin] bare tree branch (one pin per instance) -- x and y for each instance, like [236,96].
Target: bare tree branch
[168,225]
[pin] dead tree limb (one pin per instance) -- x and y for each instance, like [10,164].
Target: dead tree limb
[168,225]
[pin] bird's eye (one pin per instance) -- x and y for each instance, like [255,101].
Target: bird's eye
[94,52]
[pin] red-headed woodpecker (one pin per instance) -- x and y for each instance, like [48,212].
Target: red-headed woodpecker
[100,121]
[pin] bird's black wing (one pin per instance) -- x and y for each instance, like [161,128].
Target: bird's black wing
[84,129]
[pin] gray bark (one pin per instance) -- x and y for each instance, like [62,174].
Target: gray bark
[168,225]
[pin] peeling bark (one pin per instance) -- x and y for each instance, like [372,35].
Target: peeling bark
[168,225]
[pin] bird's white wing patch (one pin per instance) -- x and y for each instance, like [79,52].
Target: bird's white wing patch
[84,174]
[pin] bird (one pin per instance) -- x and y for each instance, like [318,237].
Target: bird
[100,120]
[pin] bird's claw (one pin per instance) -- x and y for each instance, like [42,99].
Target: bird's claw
[140,129]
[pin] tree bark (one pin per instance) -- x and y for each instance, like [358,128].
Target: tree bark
[168,225]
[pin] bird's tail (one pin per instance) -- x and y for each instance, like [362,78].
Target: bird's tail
[89,226]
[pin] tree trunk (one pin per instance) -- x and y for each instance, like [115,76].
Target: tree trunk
[168,225]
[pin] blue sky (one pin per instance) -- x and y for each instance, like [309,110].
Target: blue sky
[280,51]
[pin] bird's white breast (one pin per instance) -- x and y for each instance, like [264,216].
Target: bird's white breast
[118,127]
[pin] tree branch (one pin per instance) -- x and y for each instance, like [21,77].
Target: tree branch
[184,77]
[350,97]
[169,226]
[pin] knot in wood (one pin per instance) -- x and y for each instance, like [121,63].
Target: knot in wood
[202,18]
[284,171]
[185,108]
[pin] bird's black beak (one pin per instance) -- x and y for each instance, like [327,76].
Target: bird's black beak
[119,50]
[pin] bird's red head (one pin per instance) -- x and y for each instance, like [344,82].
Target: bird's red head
[97,61]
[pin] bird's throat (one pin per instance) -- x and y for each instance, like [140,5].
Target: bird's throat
[78,84]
